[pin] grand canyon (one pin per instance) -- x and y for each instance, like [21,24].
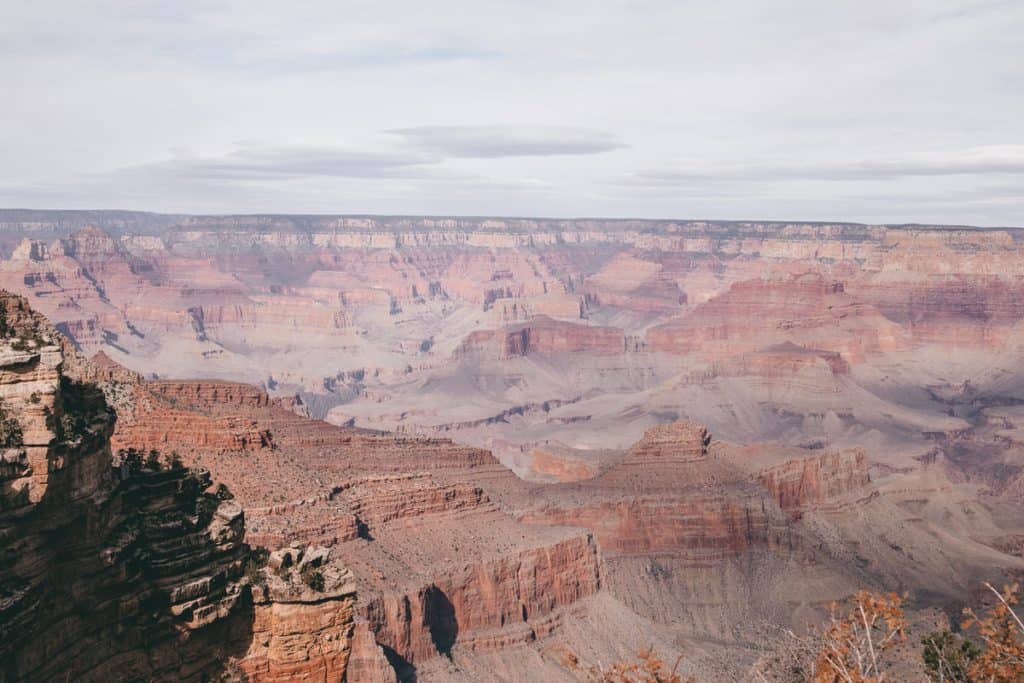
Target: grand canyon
[291,448]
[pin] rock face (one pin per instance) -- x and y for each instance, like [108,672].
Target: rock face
[542,335]
[669,495]
[484,583]
[495,605]
[131,572]
[368,662]
[138,572]
[797,484]
[301,632]
[30,383]
[807,310]
[701,529]
[686,525]
[160,419]
[675,443]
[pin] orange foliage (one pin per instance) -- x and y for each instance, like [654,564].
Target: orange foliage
[649,668]
[852,645]
[1002,634]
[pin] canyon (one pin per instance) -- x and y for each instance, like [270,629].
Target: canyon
[504,446]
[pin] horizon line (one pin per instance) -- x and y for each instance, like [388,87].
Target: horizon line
[628,219]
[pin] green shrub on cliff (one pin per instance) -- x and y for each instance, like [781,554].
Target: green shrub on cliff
[11,435]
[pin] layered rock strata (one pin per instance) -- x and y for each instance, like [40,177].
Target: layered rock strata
[134,571]
[798,484]
[542,335]
[485,582]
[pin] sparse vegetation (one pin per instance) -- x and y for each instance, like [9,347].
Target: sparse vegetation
[206,506]
[130,458]
[11,434]
[20,344]
[648,667]
[26,337]
[948,656]
[1001,632]
[285,569]
[854,646]
[153,460]
[81,404]
[258,558]
[232,671]
[312,577]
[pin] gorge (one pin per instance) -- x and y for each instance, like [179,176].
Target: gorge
[505,447]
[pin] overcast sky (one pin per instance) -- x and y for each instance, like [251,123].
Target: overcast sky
[875,111]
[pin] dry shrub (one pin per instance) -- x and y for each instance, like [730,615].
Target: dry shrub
[1001,633]
[647,668]
[947,656]
[853,644]
[849,648]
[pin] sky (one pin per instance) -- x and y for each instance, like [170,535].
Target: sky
[889,111]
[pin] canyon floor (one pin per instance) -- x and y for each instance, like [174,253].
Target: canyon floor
[512,444]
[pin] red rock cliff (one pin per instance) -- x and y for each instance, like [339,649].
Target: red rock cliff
[132,572]
[542,335]
[800,483]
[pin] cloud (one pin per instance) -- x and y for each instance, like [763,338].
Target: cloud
[998,160]
[496,141]
[274,178]
[287,162]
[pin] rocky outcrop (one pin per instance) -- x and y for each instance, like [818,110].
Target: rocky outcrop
[485,582]
[208,394]
[805,310]
[636,284]
[296,313]
[101,369]
[699,529]
[162,416]
[677,442]
[669,495]
[558,465]
[496,604]
[132,571]
[367,662]
[303,622]
[782,361]
[542,335]
[805,482]
[125,564]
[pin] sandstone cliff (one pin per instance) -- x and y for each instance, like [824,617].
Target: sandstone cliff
[484,582]
[542,335]
[797,484]
[133,571]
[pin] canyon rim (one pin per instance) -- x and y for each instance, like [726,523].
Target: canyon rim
[426,449]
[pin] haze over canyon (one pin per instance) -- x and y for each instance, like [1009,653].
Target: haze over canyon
[493,448]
